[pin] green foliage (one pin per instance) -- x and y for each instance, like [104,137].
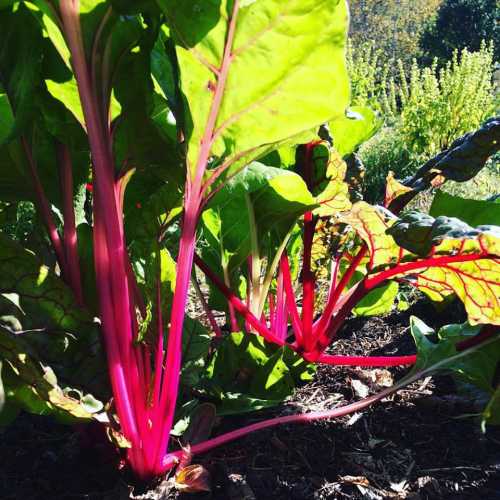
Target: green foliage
[473,212]
[462,24]
[249,102]
[428,109]
[174,109]
[17,220]
[50,345]
[477,367]
[440,105]
[385,152]
[158,101]
[359,125]
[368,73]
[247,374]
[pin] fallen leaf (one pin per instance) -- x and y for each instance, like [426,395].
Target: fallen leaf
[383,378]
[193,479]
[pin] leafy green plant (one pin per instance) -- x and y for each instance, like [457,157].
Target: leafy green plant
[440,105]
[385,250]
[145,90]
[150,114]
[368,75]
[426,109]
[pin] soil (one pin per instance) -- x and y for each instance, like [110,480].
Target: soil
[423,443]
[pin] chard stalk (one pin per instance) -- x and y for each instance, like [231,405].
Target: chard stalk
[255,267]
[109,245]
[70,235]
[308,278]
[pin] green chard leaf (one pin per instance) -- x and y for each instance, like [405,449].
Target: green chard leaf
[350,131]
[473,212]
[247,374]
[266,99]
[51,345]
[478,367]
[278,198]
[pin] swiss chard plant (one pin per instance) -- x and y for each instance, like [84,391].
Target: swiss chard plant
[141,130]
[372,249]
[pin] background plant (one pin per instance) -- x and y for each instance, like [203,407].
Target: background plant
[426,109]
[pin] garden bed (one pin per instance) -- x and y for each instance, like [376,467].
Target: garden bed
[422,443]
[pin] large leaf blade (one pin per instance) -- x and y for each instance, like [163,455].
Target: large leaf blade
[291,95]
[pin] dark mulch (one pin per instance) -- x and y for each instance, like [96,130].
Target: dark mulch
[420,444]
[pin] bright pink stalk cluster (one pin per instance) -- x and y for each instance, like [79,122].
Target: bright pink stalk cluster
[145,400]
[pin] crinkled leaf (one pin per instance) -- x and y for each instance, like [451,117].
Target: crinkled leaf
[464,159]
[143,142]
[46,316]
[466,263]
[15,185]
[478,367]
[455,257]
[35,386]
[420,233]
[475,283]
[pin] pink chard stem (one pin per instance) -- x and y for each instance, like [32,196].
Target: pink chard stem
[172,458]
[70,235]
[45,210]
[192,205]
[240,307]
[290,299]
[308,278]
[110,251]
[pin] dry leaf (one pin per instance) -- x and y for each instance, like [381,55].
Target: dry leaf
[193,479]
